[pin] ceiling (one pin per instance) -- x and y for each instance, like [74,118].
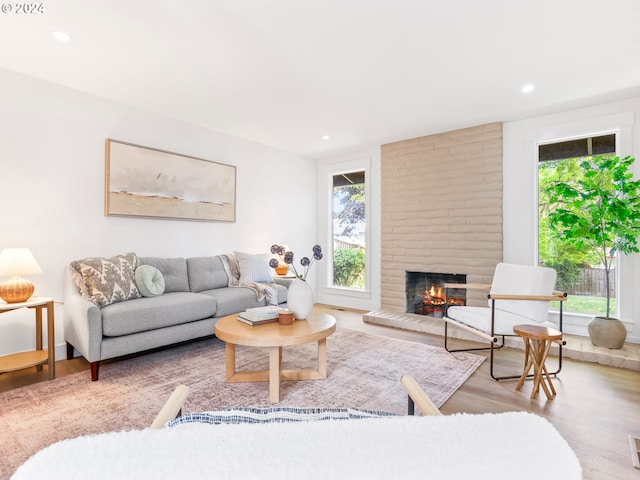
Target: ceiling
[364,72]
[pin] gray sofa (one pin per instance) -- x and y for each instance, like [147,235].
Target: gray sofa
[196,295]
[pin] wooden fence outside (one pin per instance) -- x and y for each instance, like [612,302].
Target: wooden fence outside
[593,283]
[342,244]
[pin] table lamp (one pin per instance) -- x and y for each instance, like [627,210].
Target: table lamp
[15,262]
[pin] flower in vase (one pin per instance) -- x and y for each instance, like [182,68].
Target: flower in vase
[288,258]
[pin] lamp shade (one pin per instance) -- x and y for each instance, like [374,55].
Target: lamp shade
[15,262]
[18,262]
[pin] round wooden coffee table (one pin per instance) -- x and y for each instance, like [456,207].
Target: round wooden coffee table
[316,328]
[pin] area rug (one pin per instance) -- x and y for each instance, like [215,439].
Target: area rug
[364,371]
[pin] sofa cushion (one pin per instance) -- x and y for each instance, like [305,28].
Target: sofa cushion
[107,280]
[254,268]
[150,313]
[237,299]
[206,273]
[149,281]
[233,300]
[174,271]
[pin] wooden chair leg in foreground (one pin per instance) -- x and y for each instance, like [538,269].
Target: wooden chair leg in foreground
[418,397]
[172,408]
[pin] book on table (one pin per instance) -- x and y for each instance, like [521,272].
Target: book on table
[262,313]
[253,323]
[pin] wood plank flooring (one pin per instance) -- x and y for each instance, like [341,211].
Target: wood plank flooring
[595,410]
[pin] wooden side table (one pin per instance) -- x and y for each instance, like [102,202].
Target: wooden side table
[537,342]
[37,357]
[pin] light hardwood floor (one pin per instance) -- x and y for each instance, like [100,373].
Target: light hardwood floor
[595,410]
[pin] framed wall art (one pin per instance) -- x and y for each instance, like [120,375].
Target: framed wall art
[145,182]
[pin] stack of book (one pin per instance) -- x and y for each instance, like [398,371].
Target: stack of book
[259,315]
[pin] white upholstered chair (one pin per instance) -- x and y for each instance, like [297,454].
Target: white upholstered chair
[518,295]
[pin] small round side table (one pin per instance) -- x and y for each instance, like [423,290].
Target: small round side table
[39,356]
[537,342]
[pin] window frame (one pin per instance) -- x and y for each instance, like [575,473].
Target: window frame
[520,205]
[327,292]
[616,133]
[330,274]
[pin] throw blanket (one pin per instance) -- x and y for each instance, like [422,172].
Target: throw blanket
[262,290]
[491,446]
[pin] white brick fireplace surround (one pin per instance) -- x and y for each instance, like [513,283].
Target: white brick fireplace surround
[441,209]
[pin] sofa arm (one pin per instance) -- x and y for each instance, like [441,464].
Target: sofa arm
[82,321]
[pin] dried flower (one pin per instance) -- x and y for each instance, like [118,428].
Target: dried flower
[287,257]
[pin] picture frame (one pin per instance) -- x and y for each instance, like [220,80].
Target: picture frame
[147,182]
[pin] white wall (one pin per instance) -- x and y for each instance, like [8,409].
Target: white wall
[520,185]
[52,190]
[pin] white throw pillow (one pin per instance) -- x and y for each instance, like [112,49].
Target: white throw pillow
[254,268]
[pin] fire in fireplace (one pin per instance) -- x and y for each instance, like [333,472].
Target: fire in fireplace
[434,301]
[426,293]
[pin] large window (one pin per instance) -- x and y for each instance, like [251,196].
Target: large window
[579,272]
[349,228]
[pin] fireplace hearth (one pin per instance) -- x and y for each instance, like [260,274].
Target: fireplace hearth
[426,293]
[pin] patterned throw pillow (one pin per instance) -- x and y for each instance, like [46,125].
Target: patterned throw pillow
[108,280]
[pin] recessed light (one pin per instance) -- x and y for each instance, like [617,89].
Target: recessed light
[61,36]
[528,88]
[326,137]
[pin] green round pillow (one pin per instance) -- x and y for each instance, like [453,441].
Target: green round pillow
[149,281]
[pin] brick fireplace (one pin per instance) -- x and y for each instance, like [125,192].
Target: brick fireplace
[441,209]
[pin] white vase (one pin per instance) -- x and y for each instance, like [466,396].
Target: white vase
[300,299]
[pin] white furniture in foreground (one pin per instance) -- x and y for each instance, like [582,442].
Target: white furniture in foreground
[489,446]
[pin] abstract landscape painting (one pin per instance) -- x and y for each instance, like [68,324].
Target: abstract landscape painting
[145,182]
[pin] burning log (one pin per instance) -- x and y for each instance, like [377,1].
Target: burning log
[434,301]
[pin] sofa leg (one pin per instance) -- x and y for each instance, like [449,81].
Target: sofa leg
[69,351]
[95,368]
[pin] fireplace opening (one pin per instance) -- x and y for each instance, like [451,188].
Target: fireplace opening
[426,293]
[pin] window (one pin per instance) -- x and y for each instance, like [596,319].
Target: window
[348,229]
[579,272]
